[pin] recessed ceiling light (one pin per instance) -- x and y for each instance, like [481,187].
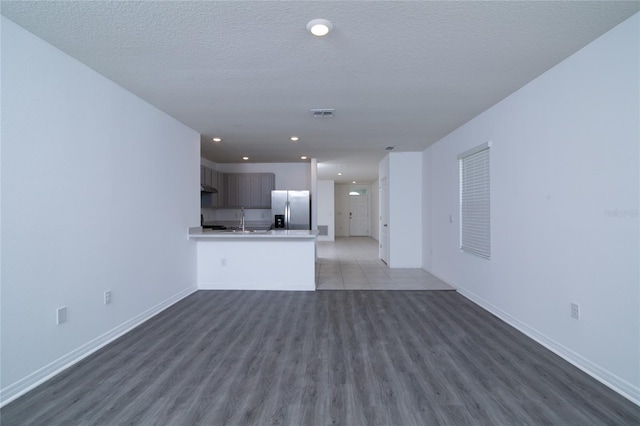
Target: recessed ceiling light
[245,158]
[353,181]
[304,157]
[295,138]
[319,27]
[217,140]
[339,174]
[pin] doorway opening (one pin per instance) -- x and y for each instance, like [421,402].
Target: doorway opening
[358,213]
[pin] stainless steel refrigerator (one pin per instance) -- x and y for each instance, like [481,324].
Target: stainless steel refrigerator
[290,209]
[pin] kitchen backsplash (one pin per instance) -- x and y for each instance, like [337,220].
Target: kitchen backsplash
[257,215]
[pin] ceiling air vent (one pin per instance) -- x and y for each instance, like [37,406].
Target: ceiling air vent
[322,112]
[389,148]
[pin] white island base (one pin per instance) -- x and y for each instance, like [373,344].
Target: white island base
[275,260]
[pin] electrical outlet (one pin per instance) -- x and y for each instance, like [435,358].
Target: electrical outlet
[575,311]
[61,315]
[107,297]
[223,262]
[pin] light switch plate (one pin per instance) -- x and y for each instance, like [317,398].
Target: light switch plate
[61,315]
[575,311]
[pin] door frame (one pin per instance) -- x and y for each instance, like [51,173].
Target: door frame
[368,232]
[383,252]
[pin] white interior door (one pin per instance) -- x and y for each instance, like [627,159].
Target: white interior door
[358,215]
[384,220]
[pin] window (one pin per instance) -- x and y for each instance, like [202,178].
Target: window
[359,191]
[475,206]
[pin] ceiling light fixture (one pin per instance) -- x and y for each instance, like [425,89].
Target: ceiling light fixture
[295,138]
[303,157]
[319,27]
[217,140]
[339,174]
[245,158]
[353,181]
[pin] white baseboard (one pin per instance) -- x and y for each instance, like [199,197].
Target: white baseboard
[253,286]
[612,381]
[604,376]
[43,374]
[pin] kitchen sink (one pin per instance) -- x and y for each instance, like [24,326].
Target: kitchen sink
[239,231]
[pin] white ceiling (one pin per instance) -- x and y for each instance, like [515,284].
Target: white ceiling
[400,74]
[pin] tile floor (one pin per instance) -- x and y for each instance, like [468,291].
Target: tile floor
[353,264]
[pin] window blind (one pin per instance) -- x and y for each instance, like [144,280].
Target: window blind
[475,197]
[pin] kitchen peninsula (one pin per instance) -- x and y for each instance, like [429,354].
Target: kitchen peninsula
[255,260]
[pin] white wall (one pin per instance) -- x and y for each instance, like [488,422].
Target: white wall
[383,182]
[276,264]
[427,211]
[208,163]
[405,210]
[342,210]
[314,194]
[374,199]
[98,191]
[326,208]
[565,155]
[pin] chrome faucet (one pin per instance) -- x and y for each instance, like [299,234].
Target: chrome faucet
[242,219]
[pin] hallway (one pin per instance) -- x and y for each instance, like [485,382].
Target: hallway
[352,263]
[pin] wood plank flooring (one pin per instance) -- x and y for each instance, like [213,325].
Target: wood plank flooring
[321,358]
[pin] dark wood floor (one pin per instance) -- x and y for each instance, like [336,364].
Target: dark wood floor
[331,357]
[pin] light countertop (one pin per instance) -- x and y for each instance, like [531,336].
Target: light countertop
[278,234]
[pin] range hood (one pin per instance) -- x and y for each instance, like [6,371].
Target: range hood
[209,189]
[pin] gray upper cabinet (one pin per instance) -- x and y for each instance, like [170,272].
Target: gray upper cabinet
[219,185]
[255,189]
[214,179]
[268,184]
[208,176]
[249,190]
[231,190]
[211,178]
[244,190]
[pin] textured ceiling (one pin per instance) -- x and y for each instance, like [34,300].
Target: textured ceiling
[400,74]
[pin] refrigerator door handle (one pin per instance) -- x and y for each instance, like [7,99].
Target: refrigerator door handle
[287,215]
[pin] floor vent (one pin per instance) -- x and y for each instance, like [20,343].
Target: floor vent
[322,113]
